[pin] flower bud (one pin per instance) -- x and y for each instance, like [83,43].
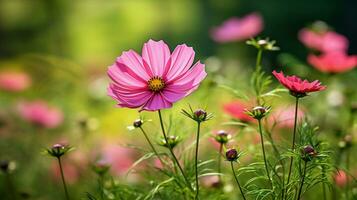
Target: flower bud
[172,141]
[308,153]
[101,168]
[263,44]
[222,137]
[58,150]
[259,112]
[232,155]
[200,115]
[137,123]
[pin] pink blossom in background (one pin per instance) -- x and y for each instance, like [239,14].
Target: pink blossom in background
[323,41]
[156,79]
[119,158]
[283,117]
[340,178]
[333,62]
[238,29]
[210,181]
[40,113]
[236,109]
[14,81]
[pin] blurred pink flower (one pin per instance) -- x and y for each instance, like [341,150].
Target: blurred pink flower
[340,178]
[333,62]
[14,81]
[323,41]
[211,181]
[236,109]
[237,29]
[119,158]
[157,79]
[40,113]
[284,116]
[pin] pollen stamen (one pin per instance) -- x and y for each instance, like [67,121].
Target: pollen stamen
[156,84]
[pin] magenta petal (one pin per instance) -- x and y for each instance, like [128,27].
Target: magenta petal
[196,74]
[156,55]
[181,60]
[133,99]
[157,102]
[124,78]
[133,64]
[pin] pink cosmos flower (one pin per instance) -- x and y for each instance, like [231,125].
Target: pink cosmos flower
[340,178]
[323,41]
[237,110]
[40,113]
[14,81]
[157,79]
[235,29]
[284,116]
[119,158]
[298,87]
[333,62]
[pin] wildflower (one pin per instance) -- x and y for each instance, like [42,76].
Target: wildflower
[236,109]
[232,155]
[137,123]
[58,150]
[14,81]
[238,29]
[320,38]
[198,115]
[101,168]
[340,178]
[333,62]
[297,87]
[120,158]
[40,113]
[308,153]
[259,112]
[172,141]
[157,79]
[222,137]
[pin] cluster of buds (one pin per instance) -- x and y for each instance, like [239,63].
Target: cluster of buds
[308,153]
[232,154]
[222,137]
[263,44]
[198,115]
[7,166]
[346,142]
[172,141]
[58,150]
[101,168]
[258,112]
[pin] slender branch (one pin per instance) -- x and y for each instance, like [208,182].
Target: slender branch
[263,148]
[219,158]
[294,136]
[258,62]
[63,180]
[302,181]
[171,151]
[235,177]
[196,158]
[151,145]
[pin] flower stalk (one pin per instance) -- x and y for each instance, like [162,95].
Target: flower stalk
[235,177]
[263,148]
[63,179]
[196,158]
[302,180]
[151,145]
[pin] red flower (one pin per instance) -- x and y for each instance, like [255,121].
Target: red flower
[333,62]
[236,109]
[297,86]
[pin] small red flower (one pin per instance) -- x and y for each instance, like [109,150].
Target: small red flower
[297,86]
[236,109]
[333,62]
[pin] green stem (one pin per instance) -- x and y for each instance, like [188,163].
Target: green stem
[263,148]
[101,185]
[63,180]
[347,168]
[151,145]
[294,136]
[219,158]
[196,158]
[258,62]
[11,187]
[171,151]
[302,181]
[235,177]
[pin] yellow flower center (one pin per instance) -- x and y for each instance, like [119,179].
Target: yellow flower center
[156,84]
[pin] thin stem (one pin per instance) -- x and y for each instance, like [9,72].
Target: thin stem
[151,145]
[101,185]
[322,183]
[302,181]
[259,59]
[196,158]
[347,168]
[293,144]
[171,151]
[235,177]
[263,148]
[63,180]
[219,158]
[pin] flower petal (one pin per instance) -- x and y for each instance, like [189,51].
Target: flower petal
[132,63]
[156,55]
[181,60]
[157,102]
